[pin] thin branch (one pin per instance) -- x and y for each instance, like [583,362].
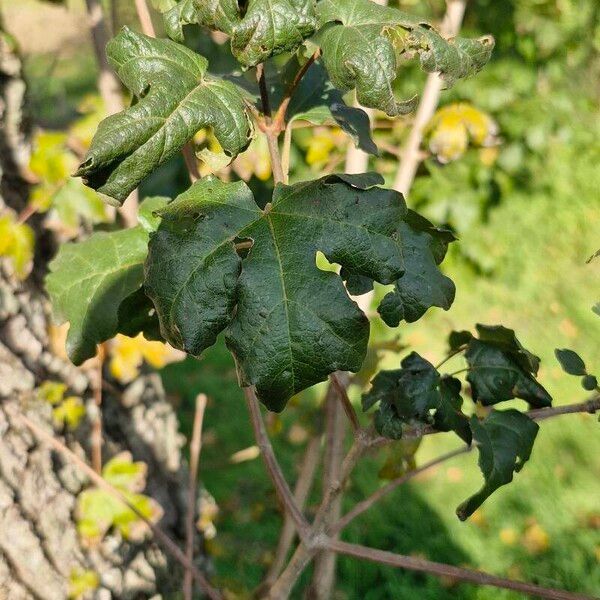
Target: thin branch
[195,447]
[411,156]
[283,586]
[304,482]
[281,486]
[364,505]
[169,545]
[144,17]
[347,405]
[451,355]
[279,118]
[96,435]
[539,414]
[323,578]
[413,563]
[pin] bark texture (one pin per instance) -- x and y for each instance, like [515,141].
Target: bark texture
[39,545]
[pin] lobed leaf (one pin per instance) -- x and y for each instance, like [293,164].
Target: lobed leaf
[501,369]
[267,27]
[364,45]
[505,441]
[288,323]
[175,98]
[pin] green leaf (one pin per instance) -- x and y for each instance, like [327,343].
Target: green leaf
[589,383]
[404,395]
[423,285]
[449,416]
[175,99]
[501,369]
[456,339]
[317,101]
[148,212]
[570,361]
[364,45]
[288,323]
[89,280]
[267,28]
[505,441]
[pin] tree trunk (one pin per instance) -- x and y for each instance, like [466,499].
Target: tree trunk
[39,544]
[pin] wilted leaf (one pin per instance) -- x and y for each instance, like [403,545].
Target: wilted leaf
[364,45]
[449,416]
[293,324]
[505,440]
[267,27]
[175,99]
[501,369]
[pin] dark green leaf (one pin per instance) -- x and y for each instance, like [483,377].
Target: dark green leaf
[89,280]
[505,441]
[364,45]
[495,377]
[589,383]
[175,99]
[449,416]
[423,285]
[570,361]
[288,323]
[456,339]
[267,28]
[137,315]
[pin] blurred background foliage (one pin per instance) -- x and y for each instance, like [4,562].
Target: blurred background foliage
[511,164]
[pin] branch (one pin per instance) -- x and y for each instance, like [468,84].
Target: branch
[343,396]
[275,473]
[363,506]
[304,482]
[431,94]
[271,134]
[144,17]
[539,414]
[441,570]
[96,435]
[169,545]
[195,447]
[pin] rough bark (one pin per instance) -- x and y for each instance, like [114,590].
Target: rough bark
[39,545]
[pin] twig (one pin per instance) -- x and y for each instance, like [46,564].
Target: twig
[281,486]
[189,155]
[539,414]
[96,435]
[442,570]
[144,17]
[279,119]
[195,447]
[109,88]
[343,397]
[451,355]
[169,545]
[363,506]
[304,482]
[272,135]
[431,94]
[330,511]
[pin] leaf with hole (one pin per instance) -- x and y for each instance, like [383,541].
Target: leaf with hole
[288,323]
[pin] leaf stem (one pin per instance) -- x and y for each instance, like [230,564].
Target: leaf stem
[451,355]
[195,447]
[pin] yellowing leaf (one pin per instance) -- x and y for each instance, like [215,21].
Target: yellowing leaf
[98,510]
[124,474]
[322,144]
[127,355]
[454,126]
[82,582]
[52,392]
[51,161]
[535,539]
[17,243]
[69,413]
[254,161]
[93,111]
